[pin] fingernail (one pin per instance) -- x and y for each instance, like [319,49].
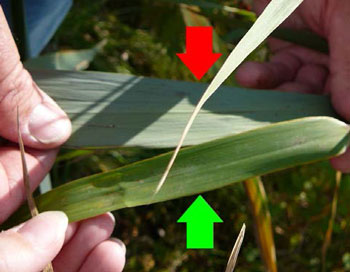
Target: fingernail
[120,243]
[48,124]
[46,229]
[111,216]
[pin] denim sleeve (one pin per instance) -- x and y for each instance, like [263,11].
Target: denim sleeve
[43,17]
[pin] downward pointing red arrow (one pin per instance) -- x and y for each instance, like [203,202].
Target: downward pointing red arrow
[199,56]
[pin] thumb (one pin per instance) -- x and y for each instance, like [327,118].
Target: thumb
[34,244]
[43,123]
[338,85]
[339,40]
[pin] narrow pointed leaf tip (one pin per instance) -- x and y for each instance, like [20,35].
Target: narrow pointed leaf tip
[235,251]
[273,15]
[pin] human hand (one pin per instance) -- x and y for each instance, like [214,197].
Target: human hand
[82,246]
[297,69]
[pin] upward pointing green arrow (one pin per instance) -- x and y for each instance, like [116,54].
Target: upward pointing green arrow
[200,219]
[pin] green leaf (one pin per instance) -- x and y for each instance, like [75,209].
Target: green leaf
[66,60]
[199,168]
[272,16]
[109,110]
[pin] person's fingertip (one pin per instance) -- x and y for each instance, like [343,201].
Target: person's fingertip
[111,216]
[254,75]
[48,124]
[313,75]
[341,102]
[70,232]
[107,256]
[297,87]
[247,75]
[90,233]
[34,244]
[119,243]
[43,123]
[46,230]
[342,162]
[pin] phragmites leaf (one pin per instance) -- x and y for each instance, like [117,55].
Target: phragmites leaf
[235,251]
[200,168]
[108,110]
[274,14]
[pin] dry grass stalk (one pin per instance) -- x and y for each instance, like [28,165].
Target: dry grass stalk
[328,236]
[262,218]
[26,179]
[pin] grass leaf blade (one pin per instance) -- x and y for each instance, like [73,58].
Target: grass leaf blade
[200,168]
[274,14]
[108,110]
[231,264]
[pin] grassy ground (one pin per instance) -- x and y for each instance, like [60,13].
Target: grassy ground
[142,38]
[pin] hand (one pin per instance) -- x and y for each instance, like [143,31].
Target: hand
[83,246]
[296,69]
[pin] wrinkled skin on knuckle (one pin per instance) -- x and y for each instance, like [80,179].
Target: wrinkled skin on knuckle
[15,89]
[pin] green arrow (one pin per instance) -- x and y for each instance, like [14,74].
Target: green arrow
[200,219]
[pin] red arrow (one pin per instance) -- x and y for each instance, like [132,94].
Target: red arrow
[199,56]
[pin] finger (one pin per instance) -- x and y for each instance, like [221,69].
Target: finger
[304,55]
[339,40]
[298,20]
[297,87]
[109,256]
[342,163]
[313,75]
[89,234]
[259,5]
[293,21]
[43,123]
[12,193]
[282,67]
[34,245]
[71,231]
[255,75]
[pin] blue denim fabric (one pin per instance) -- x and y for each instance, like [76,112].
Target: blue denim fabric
[43,17]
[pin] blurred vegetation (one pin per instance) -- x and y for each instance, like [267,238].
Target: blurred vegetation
[142,37]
